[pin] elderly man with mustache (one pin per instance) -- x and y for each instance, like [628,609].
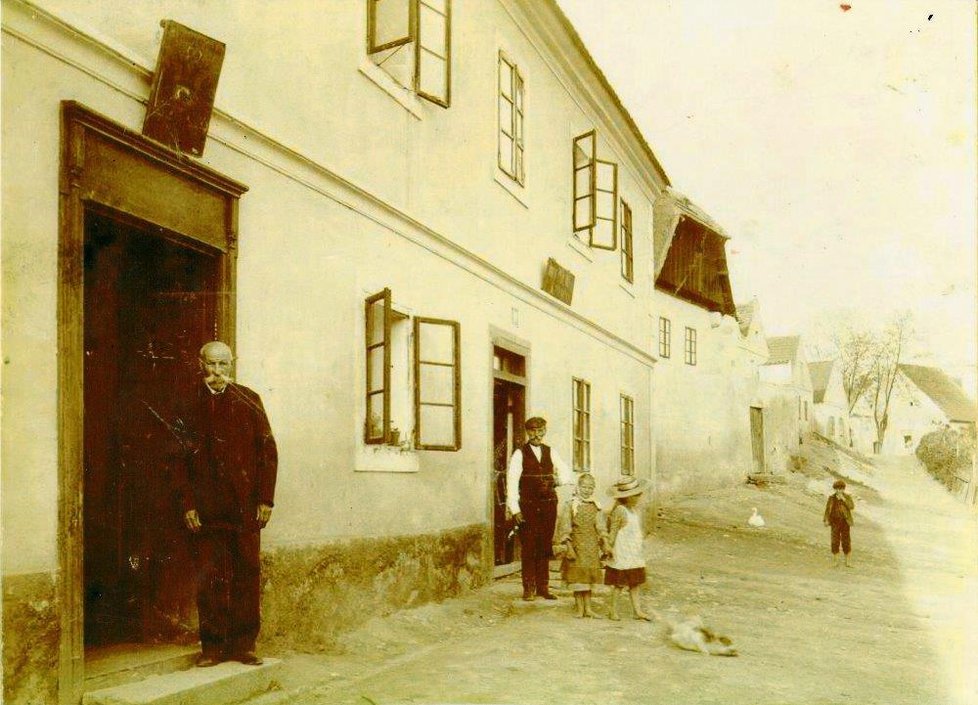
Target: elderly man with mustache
[225,482]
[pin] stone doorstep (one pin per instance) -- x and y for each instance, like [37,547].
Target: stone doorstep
[129,663]
[223,684]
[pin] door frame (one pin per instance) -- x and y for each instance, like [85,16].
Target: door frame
[499,338]
[106,166]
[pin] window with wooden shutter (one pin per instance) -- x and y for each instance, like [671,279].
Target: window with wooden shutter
[585,165]
[595,195]
[378,319]
[604,232]
[437,384]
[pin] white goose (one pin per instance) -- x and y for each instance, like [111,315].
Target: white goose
[756,520]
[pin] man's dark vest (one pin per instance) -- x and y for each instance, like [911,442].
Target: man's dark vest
[537,479]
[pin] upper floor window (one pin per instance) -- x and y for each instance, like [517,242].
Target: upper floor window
[627,267]
[582,425]
[411,40]
[595,194]
[511,119]
[690,346]
[627,435]
[665,337]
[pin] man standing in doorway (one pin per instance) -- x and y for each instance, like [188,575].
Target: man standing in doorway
[534,472]
[225,481]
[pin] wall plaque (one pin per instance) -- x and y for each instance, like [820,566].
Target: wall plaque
[182,96]
[558,282]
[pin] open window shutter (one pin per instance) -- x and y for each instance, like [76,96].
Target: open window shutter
[604,234]
[437,385]
[432,50]
[584,165]
[388,24]
[377,426]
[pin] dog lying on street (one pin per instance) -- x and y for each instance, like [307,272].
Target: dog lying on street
[691,635]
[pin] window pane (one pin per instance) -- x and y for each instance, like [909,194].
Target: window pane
[437,384]
[583,150]
[432,30]
[505,153]
[437,342]
[437,426]
[519,164]
[606,176]
[582,182]
[605,205]
[375,358]
[505,78]
[603,234]
[582,213]
[519,91]
[375,416]
[433,79]
[519,127]
[375,322]
[505,115]
[391,21]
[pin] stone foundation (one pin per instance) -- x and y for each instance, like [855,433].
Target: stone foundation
[311,595]
[31,639]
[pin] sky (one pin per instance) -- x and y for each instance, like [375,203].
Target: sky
[836,147]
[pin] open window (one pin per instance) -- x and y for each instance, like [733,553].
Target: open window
[437,385]
[595,195]
[413,378]
[411,41]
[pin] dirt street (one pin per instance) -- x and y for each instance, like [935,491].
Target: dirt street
[897,627]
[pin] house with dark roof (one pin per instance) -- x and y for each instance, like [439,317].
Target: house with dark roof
[704,378]
[924,399]
[831,406]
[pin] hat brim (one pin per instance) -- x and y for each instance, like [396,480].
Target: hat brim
[642,486]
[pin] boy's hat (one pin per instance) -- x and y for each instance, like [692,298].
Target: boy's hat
[628,485]
[839,485]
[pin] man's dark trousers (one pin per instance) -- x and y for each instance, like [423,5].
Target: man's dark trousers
[228,590]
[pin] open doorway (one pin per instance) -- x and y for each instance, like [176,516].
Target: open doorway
[757,439]
[149,304]
[508,415]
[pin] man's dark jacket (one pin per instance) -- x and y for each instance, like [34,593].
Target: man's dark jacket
[228,460]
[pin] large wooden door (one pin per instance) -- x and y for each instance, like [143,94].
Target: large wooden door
[146,273]
[149,306]
[508,415]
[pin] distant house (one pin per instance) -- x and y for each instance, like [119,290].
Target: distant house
[831,403]
[786,388]
[924,399]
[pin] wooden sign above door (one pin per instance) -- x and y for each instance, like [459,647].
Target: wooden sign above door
[182,95]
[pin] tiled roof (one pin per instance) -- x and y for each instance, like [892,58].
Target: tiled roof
[944,392]
[745,315]
[820,373]
[783,349]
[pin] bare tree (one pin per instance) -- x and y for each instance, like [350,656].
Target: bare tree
[888,349]
[857,351]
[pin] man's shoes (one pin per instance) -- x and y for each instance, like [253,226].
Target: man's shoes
[528,596]
[547,595]
[208,660]
[249,658]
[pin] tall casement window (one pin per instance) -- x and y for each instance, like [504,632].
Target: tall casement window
[432,389]
[582,425]
[627,267]
[690,346]
[511,120]
[411,40]
[627,435]
[595,195]
[665,337]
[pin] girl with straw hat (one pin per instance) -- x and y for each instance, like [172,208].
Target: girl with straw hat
[626,569]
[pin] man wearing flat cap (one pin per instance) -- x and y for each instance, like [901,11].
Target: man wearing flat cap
[224,478]
[534,472]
